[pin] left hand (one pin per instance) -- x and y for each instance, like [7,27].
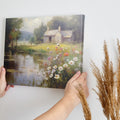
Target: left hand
[3,83]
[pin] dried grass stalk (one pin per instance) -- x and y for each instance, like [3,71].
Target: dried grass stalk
[86,110]
[108,88]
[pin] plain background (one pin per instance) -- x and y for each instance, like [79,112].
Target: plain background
[102,22]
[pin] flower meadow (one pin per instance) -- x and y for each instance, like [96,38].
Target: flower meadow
[62,63]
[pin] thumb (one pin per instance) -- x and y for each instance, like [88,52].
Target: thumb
[3,72]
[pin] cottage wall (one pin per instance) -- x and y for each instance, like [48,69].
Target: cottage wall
[46,39]
[58,37]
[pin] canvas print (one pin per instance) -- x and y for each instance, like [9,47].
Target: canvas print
[43,51]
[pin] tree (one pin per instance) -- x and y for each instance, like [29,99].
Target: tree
[32,40]
[13,26]
[39,33]
[58,21]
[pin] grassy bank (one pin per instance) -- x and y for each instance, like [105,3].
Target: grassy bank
[44,48]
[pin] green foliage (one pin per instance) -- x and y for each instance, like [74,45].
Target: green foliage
[58,21]
[39,33]
[32,40]
[13,26]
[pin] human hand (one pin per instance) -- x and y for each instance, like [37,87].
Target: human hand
[71,93]
[3,83]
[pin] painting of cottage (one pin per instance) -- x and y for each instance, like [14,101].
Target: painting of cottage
[43,51]
[58,36]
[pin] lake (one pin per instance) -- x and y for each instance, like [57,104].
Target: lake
[23,69]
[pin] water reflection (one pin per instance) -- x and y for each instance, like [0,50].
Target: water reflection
[23,69]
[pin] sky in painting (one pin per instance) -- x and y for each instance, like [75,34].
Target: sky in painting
[29,24]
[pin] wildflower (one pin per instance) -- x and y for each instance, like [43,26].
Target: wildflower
[48,71]
[54,58]
[48,68]
[66,54]
[71,62]
[60,68]
[51,52]
[49,58]
[46,78]
[80,52]
[65,65]
[73,49]
[51,75]
[56,48]
[61,49]
[45,64]
[44,73]
[67,60]
[53,70]
[57,76]
[76,51]
[55,66]
[75,59]
[60,55]
[47,48]
[58,44]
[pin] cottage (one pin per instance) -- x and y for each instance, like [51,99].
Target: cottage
[57,36]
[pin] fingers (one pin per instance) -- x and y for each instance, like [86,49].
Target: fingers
[1,95]
[75,76]
[81,80]
[7,88]
[0,70]
[83,76]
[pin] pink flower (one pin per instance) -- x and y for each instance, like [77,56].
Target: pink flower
[49,58]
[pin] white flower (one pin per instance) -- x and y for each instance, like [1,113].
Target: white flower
[57,56]
[46,78]
[47,48]
[54,58]
[60,68]
[51,75]
[58,44]
[44,73]
[65,65]
[71,62]
[48,68]
[57,76]
[75,59]
[67,60]
[55,66]
[76,51]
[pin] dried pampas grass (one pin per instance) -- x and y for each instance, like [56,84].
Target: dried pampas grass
[86,110]
[108,84]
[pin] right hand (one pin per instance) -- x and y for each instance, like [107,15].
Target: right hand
[71,93]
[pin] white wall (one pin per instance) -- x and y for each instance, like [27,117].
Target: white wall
[102,22]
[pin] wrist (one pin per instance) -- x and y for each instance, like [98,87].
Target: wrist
[70,101]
